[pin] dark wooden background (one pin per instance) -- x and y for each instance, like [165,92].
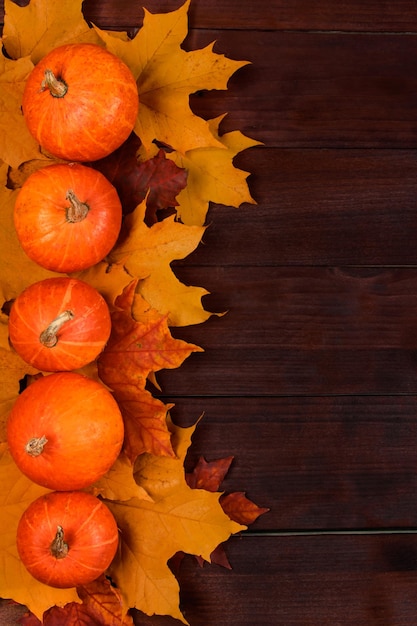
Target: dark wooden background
[310,381]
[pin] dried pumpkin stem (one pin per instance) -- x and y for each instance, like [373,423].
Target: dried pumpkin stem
[57,88]
[77,210]
[35,446]
[49,336]
[59,548]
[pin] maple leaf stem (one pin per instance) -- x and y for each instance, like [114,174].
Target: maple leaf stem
[77,210]
[49,336]
[35,446]
[59,548]
[57,87]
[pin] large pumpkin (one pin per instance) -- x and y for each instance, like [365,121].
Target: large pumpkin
[80,102]
[67,217]
[65,431]
[59,324]
[67,539]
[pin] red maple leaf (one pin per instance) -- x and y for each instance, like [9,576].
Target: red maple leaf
[240,509]
[101,606]
[159,176]
[145,420]
[29,619]
[208,475]
[134,352]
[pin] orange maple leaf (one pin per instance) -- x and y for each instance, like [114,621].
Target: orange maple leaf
[101,606]
[137,348]
[209,475]
[145,422]
[240,509]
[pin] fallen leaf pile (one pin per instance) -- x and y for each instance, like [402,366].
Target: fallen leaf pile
[169,170]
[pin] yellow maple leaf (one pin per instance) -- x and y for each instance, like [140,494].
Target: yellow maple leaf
[167,75]
[16,493]
[42,25]
[179,519]
[16,176]
[150,471]
[108,278]
[147,252]
[119,483]
[17,270]
[212,176]
[16,143]
[182,303]
[12,369]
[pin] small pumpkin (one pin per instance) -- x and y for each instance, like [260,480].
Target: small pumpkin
[65,431]
[67,217]
[80,102]
[67,539]
[59,324]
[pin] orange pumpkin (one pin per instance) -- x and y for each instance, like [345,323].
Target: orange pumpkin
[80,102]
[65,431]
[67,217]
[66,539]
[59,324]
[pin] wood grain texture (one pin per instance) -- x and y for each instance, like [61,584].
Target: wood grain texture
[304,581]
[347,15]
[326,90]
[303,331]
[310,380]
[317,208]
[333,462]
[352,15]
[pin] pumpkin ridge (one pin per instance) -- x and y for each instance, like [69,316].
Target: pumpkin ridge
[17,312]
[89,518]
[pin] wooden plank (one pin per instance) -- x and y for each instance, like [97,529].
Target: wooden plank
[119,13]
[301,581]
[279,14]
[304,581]
[317,207]
[316,462]
[317,89]
[128,15]
[395,16]
[301,331]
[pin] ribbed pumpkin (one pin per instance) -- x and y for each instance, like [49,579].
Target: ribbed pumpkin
[59,324]
[67,539]
[67,217]
[65,431]
[80,102]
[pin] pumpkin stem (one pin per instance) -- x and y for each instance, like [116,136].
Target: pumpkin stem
[59,548]
[77,211]
[35,446]
[57,87]
[48,337]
